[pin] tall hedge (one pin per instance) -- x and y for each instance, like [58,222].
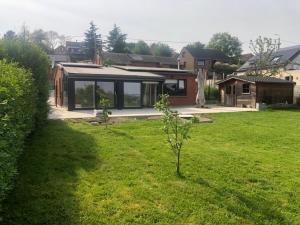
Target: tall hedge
[18,98]
[32,58]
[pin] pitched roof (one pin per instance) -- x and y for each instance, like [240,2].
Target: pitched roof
[257,79]
[208,53]
[284,55]
[127,59]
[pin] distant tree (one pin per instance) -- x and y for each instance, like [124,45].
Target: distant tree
[225,68]
[130,47]
[142,48]
[24,33]
[195,45]
[54,40]
[177,130]
[229,45]
[9,35]
[160,49]
[40,38]
[116,40]
[264,63]
[92,41]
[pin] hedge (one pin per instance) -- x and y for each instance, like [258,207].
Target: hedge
[32,58]
[18,100]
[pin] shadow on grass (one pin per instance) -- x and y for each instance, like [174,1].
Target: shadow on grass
[45,191]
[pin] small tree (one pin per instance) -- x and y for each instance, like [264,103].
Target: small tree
[265,63]
[176,130]
[104,104]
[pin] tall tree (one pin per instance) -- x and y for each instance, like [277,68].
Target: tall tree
[40,38]
[142,48]
[116,40]
[9,35]
[265,63]
[195,45]
[229,45]
[92,41]
[160,49]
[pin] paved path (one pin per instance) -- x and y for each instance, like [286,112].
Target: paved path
[63,113]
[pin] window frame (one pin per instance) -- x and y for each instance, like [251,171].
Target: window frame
[184,94]
[249,89]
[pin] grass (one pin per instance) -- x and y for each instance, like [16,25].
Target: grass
[242,169]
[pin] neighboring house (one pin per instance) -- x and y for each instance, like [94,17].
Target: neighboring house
[288,59]
[125,59]
[246,91]
[245,57]
[80,86]
[75,50]
[60,50]
[195,59]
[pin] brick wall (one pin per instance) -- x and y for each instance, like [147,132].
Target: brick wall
[191,91]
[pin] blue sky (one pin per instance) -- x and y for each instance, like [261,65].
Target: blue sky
[176,21]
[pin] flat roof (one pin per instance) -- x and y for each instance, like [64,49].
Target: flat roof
[106,72]
[151,69]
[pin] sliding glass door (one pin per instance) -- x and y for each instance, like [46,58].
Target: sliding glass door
[84,94]
[105,89]
[132,94]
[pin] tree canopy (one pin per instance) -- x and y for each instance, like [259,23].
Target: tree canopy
[195,45]
[161,49]
[229,45]
[263,49]
[142,48]
[92,41]
[116,40]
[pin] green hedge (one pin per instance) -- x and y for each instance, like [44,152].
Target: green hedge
[18,98]
[36,60]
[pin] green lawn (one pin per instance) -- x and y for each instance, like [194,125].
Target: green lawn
[242,169]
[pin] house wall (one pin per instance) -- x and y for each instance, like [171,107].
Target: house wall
[275,93]
[58,86]
[296,78]
[191,91]
[187,61]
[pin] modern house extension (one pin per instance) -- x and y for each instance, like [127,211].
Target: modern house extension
[80,86]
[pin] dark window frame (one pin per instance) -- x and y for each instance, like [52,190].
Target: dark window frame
[246,88]
[177,92]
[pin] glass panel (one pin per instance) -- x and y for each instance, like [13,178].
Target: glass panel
[132,94]
[106,89]
[84,94]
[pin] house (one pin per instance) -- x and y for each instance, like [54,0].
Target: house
[124,59]
[75,50]
[80,86]
[287,59]
[195,59]
[246,91]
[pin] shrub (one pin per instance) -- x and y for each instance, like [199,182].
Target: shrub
[17,110]
[211,93]
[36,60]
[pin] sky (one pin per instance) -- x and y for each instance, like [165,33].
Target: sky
[175,22]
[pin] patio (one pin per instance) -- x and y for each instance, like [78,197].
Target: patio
[63,113]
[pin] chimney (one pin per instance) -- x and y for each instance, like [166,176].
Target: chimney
[98,58]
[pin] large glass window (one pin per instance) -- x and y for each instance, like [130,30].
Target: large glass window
[84,94]
[132,94]
[175,87]
[106,89]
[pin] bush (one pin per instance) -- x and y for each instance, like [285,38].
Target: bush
[17,110]
[211,93]
[36,60]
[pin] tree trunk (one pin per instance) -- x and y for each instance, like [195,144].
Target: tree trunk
[200,99]
[178,162]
